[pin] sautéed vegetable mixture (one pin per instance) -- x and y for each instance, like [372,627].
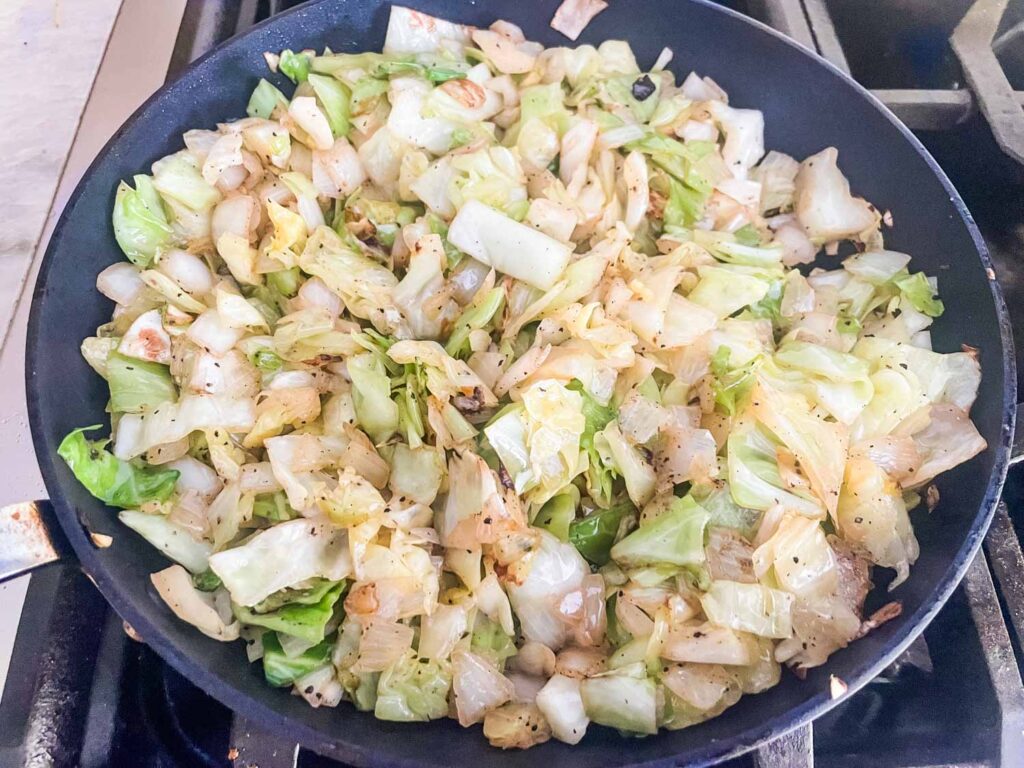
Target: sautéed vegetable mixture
[480,380]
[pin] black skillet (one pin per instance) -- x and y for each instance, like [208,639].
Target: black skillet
[807,105]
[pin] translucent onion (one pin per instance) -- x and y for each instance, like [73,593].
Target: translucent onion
[308,116]
[442,630]
[315,293]
[196,476]
[468,278]
[232,178]
[479,687]
[120,283]
[526,686]
[210,332]
[320,688]
[700,685]
[383,643]
[896,454]
[585,611]
[257,478]
[337,171]
[729,556]
[187,270]
[235,215]
[200,609]
[535,659]
[707,644]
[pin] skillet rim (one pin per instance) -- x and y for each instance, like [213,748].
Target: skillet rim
[223,689]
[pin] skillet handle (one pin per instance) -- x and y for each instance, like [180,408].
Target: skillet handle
[30,537]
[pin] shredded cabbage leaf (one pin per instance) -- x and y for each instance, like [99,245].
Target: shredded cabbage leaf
[482,380]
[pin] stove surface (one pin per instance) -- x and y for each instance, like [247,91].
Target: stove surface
[82,691]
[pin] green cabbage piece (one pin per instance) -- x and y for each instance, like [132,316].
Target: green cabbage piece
[440,228]
[285,281]
[594,534]
[170,538]
[180,178]
[728,288]
[409,399]
[747,235]
[365,94]
[558,513]
[310,594]
[335,98]
[138,385]
[273,507]
[676,537]
[600,476]
[544,102]
[622,700]
[490,641]
[265,97]
[618,91]
[440,73]
[294,66]
[376,412]
[477,315]
[728,248]
[112,481]
[877,267]
[730,384]
[685,204]
[140,224]
[918,291]
[281,670]
[301,619]
[361,689]
[413,689]
[754,479]
[627,460]
[839,382]
[266,360]
[770,306]
[267,301]
[723,511]
[207,581]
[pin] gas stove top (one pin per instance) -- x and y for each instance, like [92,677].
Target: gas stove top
[82,692]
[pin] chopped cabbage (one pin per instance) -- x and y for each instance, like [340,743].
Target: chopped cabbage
[621,699]
[282,669]
[554,570]
[824,205]
[301,618]
[280,557]
[111,480]
[413,689]
[751,608]
[207,613]
[676,537]
[140,223]
[872,514]
[476,379]
[506,245]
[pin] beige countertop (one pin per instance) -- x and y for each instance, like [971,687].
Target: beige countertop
[82,67]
